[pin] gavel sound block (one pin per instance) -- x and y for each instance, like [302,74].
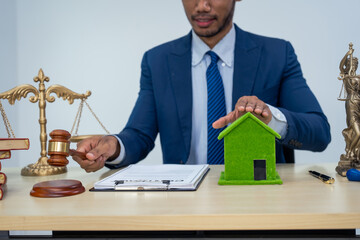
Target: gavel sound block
[58,151]
[57,188]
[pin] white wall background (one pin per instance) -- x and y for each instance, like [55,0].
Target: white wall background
[97,45]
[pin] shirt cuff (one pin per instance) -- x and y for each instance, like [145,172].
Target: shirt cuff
[121,156]
[278,121]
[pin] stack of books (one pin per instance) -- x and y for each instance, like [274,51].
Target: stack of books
[2,182]
[7,144]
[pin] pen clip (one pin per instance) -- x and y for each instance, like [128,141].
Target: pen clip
[329,181]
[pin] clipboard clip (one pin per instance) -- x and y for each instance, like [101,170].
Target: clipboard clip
[141,185]
[167,182]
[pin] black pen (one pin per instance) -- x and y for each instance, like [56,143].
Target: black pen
[322,177]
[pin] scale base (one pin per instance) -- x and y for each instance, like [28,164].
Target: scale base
[42,168]
[345,164]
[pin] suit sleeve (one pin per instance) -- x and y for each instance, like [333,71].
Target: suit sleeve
[308,128]
[141,130]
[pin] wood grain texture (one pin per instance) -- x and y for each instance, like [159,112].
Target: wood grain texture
[302,202]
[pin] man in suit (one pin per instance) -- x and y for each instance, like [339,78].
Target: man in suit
[253,74]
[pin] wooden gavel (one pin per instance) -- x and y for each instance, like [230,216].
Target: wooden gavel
[59,148]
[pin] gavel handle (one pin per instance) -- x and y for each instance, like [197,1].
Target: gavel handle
[73,152]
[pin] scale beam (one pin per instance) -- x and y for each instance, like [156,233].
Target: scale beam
[42,95]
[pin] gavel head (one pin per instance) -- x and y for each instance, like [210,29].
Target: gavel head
[58,148]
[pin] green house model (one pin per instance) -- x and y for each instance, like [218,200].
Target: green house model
[249,153]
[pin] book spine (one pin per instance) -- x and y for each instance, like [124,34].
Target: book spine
[2,190]
[2,178]
[5,154]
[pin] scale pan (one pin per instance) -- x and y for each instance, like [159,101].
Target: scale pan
[78,138]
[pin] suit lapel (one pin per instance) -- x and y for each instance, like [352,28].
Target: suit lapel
[246,61]
[180,75]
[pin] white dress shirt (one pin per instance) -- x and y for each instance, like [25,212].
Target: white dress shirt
[199,64]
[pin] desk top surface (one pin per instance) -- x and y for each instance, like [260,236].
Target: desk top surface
[302,202]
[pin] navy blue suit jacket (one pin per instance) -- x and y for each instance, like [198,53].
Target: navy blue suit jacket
[264,67]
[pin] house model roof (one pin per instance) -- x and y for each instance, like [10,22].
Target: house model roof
[241,120]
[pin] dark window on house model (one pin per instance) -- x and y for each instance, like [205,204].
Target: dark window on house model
[259,169]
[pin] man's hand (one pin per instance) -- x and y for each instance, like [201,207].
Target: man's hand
[98,149]
[246,104]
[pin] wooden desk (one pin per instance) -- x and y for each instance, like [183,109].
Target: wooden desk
[302,202]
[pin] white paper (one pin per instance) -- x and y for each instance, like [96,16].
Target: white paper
[154,177]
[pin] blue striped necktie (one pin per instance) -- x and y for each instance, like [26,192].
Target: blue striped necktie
[216,108]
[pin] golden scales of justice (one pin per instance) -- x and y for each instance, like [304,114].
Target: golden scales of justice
[42,95]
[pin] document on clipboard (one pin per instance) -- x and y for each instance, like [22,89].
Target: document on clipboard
[166,177]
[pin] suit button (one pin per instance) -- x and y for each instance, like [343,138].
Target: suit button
[181,162]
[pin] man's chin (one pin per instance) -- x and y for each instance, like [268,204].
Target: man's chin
[207,33]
